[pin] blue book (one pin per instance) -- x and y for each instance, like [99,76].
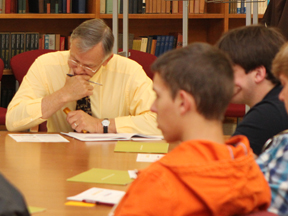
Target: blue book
[171,42]
[162,44]
[64,6]
[166,43]
[242,10]
[79,6]
[158,43]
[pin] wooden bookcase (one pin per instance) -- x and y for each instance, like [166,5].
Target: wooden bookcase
[206,27]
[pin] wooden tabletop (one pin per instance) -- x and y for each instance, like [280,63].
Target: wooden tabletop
[40,171]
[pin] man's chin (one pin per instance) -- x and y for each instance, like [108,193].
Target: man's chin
[236,100]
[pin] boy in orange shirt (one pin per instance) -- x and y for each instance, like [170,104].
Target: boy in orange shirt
[202,176]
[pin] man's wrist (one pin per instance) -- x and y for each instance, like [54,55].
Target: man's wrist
[105,123]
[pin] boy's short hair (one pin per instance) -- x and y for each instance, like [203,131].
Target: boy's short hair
[280,63]
[203,71]
[253,46]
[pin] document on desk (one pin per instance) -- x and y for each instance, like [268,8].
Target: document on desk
[111,136]
[141,147]
[38,138]
[103,176]
[99,196]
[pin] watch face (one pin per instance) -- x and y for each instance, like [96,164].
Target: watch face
[105,122]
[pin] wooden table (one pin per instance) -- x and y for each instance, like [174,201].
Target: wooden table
[39,171]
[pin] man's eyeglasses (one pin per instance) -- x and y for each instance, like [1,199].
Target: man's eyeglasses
[75,64]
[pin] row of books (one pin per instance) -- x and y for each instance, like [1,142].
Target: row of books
[14,43]
[12,6]
[158,44]
[153,6]
[57,6]
[239,6]
[43,6]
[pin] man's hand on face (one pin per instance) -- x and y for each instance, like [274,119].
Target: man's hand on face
[78,87]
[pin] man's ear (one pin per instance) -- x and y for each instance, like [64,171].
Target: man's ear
[107,60]
[260,74]
[186,102]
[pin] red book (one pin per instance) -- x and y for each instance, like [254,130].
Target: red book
[8,6]
[62,43]
[48,8]
[13,8]
[40,43]
[68,6]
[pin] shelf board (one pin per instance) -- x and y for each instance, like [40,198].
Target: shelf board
[165,16]
[46,16]
[240,16]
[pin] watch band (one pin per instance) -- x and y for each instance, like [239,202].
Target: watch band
[105,129]
[105,125]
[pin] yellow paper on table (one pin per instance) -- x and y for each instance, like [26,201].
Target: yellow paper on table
[104,176]
[143,147]
[32,209]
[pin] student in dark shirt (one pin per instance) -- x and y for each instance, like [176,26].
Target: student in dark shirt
[252,49]
[12,202]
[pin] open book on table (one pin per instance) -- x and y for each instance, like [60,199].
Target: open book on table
[99,196]
[111,136]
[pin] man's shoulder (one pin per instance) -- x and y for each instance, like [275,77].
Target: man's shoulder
[54,57]
[121,60]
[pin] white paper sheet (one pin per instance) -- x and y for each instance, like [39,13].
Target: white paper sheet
[148,157]
[99,196]
[38,138]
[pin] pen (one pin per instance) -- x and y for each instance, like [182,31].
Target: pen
[97,203]
[67,110]
[71,75]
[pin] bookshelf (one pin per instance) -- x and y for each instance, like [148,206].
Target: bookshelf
[207,27]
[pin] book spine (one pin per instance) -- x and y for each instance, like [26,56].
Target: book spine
[109,6]
[102,6]
[46,41]
[28,42]
[68,6]
[8,6]
[60,6]
[20,6]
[62,43]
[13,44]
[82,6]
[2,47]
[1,6]
[7,50]
[52,41]
[52,6]
[18,44]
[22,42]
[36,41]
[64,6]
[24,6]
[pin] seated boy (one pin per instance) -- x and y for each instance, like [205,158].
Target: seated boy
[252,50]
[274,161]
[202,176]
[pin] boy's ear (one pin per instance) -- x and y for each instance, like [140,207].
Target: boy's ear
[260,74]
[186,102]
